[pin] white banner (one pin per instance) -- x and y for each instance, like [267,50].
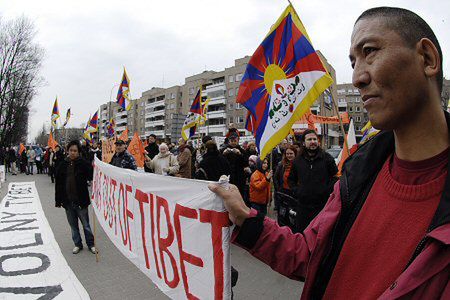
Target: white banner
[31,263]
[176,231]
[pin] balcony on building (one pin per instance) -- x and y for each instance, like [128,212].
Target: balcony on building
[220,128]
[218,114]
[122,114]
[155,113]
[155,102]
[151,123]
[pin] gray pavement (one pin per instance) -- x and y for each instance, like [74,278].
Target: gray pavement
[115,277]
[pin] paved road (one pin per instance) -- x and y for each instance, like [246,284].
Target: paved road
[115,277]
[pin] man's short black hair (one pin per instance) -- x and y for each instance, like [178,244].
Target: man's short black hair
[152,135]
[74,143]
[308,131]
[409,26]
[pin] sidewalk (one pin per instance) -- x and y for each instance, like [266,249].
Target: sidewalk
[115,277]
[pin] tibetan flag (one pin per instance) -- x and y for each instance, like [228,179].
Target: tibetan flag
[282,80]
[93,123]
[350,146]
[204,105]
[21,148]
[123,97]
[67,117]
[193,118]
[110,127]
[368,132]
[87,135]
[55,113]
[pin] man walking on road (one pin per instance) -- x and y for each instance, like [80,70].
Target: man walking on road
[385,231]
[71,192]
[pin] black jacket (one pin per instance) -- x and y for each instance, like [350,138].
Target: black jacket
[237,164]
[152,150]
[83,174]
[312,178]
[212,166]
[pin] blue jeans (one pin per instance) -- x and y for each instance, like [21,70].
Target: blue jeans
[30,168]
[74,213]
[262,208]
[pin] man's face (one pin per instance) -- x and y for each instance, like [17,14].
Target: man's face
[151,140]
[120,148]
[284,144]
[73,152]
[387,73]
[234,142]
[311,141]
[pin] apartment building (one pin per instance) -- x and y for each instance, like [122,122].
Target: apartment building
[349,99]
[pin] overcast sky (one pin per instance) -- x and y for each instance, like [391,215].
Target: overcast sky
[87,43]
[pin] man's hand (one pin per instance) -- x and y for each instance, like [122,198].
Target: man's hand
[233,202]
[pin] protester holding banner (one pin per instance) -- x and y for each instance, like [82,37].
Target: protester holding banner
[122,158]
[384,232]
[71,192]
[184,159]
[165,163]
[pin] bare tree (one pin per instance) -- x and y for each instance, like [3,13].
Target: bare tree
[20,65]
[42,137]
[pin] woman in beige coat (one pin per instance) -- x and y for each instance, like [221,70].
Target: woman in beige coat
[165,163]
[184,159]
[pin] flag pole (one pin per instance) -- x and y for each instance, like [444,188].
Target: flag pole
[341,125]
[95,235]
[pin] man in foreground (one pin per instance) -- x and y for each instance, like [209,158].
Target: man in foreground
[71,192]
[385,231]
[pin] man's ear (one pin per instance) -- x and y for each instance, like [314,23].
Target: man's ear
[430,56]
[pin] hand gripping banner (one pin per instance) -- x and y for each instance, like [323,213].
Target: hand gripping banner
[176,231]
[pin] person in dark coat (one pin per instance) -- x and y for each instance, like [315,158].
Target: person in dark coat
[213,164]
[311,179]
[71,192]
[151,150]
[236,158]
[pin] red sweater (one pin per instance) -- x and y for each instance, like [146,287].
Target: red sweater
[394,218]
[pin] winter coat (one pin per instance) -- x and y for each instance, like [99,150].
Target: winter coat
[161,161]
[58,157]
[237,163]
[314,252]
[185,162]
[83,174]
[123,160]
[259,188]
[311,178]
[212,166]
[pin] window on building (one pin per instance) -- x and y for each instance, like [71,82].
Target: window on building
[238,106]
[230,78]
[230,120]
[238,77]
[230,106]
[357,109]
[191,91]
[350,109]
[237,91]
[358,119]
[172,95]
[240,119]
[231,92]
[357,99]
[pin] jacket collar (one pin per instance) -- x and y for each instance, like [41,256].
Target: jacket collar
[366,162]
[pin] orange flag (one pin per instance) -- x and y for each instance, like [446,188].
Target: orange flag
[136,148]
[51,141]
[124,135]
[145,143]
[21,148]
